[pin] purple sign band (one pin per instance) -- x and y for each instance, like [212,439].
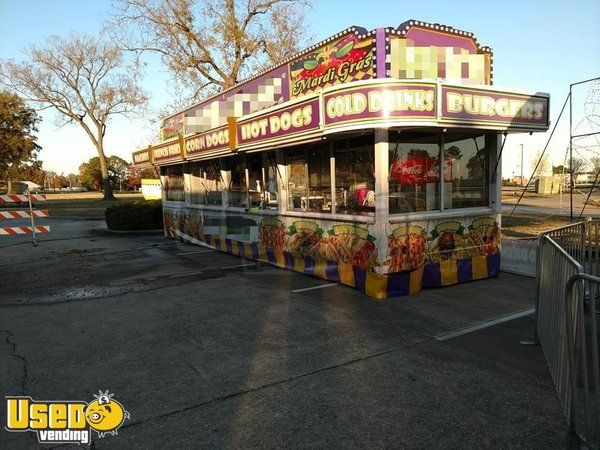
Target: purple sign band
[217,139]
[169,151]
[483,106]
[300,118]
[380,102]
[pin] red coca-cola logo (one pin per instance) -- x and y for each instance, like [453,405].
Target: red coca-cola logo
[420,170]
[417,170]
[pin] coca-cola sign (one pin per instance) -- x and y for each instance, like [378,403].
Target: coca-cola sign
[419,170]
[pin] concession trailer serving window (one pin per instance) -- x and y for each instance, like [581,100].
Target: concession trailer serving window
[377,167]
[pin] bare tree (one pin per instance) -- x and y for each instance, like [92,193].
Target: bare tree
[85,79]
[595,162]
[210,45]
[544,164]
[578,165]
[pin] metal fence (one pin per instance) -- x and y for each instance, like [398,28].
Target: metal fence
[582,344]
[566,322]
[582,242]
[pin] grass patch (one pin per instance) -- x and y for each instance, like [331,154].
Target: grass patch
[529,225]
[86,205]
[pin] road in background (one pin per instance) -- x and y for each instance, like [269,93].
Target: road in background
[534,204]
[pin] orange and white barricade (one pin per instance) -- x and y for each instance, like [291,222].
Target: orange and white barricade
[30,213]
[6,231]
[22,198]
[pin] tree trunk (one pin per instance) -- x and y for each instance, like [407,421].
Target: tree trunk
[106,186]
[9,185]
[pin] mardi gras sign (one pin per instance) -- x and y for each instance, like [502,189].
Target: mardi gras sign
[377,102]
[171,127]
[340,61]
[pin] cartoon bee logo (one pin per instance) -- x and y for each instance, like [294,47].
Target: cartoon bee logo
[105,415]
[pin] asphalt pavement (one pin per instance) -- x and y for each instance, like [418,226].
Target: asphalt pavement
[559,205]
[207,350]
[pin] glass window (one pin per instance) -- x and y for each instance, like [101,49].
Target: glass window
[309,179]
[297,178]
[235,179]
[213,181]
[174,184]
[414,177]
[319,179]
[466,171]
[355,176]
[262,173]
[198,184]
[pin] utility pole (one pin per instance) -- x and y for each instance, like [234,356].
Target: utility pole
[571,147]
[521,164]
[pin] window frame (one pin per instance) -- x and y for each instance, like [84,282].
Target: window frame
[347,148]
[456,212]
[225,192]
[328,149]
[282,177]
[440,154]
[164,174]
[264,170]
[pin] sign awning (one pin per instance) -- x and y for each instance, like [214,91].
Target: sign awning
[361,105]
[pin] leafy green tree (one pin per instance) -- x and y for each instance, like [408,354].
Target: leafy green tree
[453,152]
[90,173]
[117,171]
[476,165]
[17,141]
[31,170]
[559,170]
[135,176]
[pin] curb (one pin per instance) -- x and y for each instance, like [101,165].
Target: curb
[74,218]
[108,230]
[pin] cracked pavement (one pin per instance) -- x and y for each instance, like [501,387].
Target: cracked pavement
[208,350]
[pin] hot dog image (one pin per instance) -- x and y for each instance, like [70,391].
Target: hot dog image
[350,244]
[304,239]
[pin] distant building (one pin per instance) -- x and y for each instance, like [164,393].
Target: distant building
[584,178]
[19,187]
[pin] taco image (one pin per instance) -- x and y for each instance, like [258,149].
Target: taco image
[484,236]
[304,238]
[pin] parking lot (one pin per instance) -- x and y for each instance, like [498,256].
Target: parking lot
[205,349]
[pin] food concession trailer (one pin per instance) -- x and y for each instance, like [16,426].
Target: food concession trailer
[371,159]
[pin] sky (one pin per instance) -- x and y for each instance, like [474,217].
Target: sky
[540,46]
